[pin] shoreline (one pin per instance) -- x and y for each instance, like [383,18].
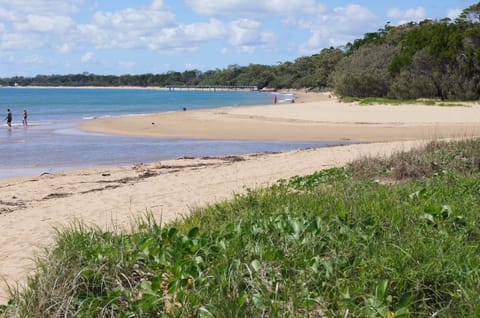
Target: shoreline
[32,207]
[314,117]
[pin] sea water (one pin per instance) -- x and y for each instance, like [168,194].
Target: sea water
[52,143]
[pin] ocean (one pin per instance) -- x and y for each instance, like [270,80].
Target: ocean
[52,143]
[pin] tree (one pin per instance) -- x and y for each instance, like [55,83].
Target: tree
[365,72]
[416,81]
[470,14]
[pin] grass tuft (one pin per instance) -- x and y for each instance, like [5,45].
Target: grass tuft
[437,157]
[386,101]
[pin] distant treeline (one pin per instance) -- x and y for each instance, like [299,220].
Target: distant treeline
[304,72]
[429,59]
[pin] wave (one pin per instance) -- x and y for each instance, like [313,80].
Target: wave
[96,117]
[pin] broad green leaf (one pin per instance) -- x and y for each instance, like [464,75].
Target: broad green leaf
[198,260]
[446,211]
[381,289]
[427,217]
[402,312]
[243,299]
[256,265]
[146,286]
[172,232]
[258,301]
[193,232]
[406,300]
[295,226]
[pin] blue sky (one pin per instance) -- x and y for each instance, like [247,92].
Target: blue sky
[154,36]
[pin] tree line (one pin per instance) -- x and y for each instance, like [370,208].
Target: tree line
[428,59]
[310,72]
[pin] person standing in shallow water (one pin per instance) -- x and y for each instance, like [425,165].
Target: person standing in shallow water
[25,115]
[9,118]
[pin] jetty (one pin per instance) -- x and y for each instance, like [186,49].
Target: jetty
[212,87]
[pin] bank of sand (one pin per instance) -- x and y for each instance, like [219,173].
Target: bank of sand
[31,207]
[314,117]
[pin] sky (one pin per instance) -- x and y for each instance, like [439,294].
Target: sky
[117,37]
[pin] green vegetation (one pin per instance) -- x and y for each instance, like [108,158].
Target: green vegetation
[379,237]
[388,101]
[429,59]
[367,101]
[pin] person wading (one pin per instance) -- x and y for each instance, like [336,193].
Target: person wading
[9,118]
[25,115]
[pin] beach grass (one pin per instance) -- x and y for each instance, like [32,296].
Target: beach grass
[387,101]
[381,237]
[398,102]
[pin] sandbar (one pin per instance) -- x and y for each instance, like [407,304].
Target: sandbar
[314,117]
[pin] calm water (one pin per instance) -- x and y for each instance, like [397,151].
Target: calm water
[52,143]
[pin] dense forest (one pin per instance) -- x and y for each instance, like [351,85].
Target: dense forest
[429,59]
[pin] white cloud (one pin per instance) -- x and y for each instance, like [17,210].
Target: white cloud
[155,28]
[50,24]
[128,19]
[64,48]
[335,27]
[454,13]
[352,18]
[87,57]
[403,16]
[244,32]
[30,60]
[158,5]
[254,7]
[214,29]
[246,35]
[146,27]
[193,67]
[6,15]
[12,41]
[33,24]
[395,13]
[19,8]
[127,28]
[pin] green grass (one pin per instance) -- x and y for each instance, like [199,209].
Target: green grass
[342,242]
[386,101]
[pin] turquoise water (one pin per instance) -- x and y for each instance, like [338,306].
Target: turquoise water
[52,143]
[59,104]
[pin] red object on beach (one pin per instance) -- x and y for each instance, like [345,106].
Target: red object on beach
[275,99]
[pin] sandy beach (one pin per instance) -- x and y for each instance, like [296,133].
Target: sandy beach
[314,117]
[32,207]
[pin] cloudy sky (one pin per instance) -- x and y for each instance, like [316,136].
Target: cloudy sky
[154,36]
